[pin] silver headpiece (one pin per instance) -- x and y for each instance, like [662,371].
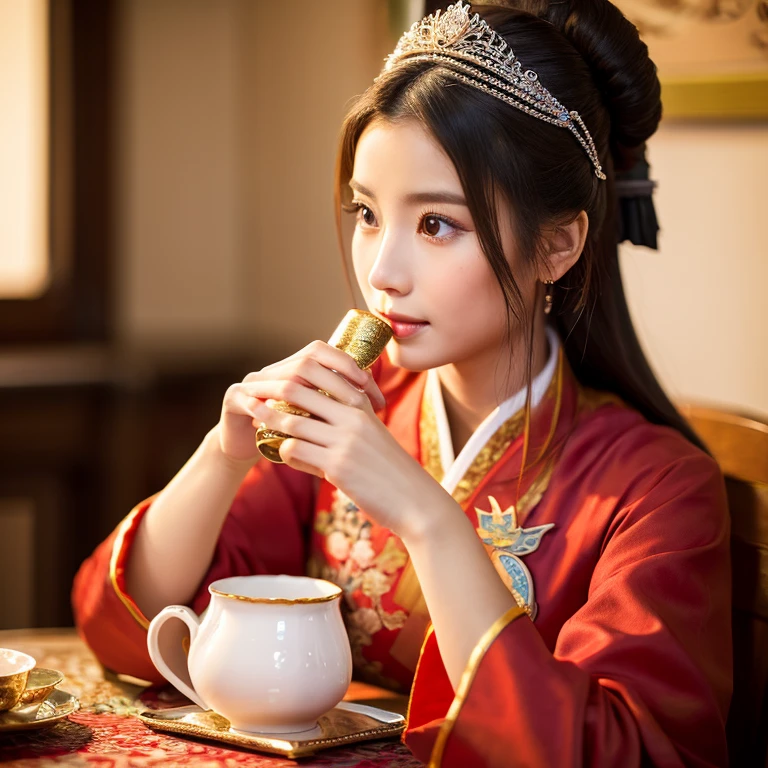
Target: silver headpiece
[476,55]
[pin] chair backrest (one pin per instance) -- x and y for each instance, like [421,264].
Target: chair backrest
[740,446]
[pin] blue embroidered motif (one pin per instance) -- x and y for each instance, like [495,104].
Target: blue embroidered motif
[519,574]
[502,531]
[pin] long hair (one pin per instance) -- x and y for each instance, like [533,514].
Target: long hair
[592,60]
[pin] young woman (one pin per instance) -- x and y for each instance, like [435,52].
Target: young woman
[529,537]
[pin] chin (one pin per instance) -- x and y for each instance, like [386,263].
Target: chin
[416,360]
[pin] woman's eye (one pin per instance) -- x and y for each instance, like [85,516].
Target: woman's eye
[366,214]
[432,226]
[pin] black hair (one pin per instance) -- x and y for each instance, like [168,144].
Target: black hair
[591,58]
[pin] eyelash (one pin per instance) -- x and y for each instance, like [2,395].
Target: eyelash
[427,213]
[356,206]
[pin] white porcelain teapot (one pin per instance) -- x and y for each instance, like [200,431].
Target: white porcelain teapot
[271,654]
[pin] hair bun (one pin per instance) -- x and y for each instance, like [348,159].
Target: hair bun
[618,59]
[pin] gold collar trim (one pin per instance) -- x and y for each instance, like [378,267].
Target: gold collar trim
[494,448]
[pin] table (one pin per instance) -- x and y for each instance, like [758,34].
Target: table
[106,733]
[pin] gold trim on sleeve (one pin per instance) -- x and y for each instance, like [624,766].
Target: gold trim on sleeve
[467,678]
[428,634]
[117,547]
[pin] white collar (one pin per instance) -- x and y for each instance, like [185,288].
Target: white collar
[454,468]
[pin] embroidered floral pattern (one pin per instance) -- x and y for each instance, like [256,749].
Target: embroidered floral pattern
[366,570]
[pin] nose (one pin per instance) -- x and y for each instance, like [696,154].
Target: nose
[390,272]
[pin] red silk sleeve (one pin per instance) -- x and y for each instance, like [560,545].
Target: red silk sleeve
[640,675]
[266,531]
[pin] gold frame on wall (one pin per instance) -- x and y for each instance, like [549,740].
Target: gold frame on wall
[737,97]
[712,55]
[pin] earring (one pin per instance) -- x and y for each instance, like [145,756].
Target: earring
[548,297]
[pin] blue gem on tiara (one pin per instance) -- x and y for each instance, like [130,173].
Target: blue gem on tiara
[564,116]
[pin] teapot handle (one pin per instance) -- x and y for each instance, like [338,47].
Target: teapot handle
[190,618]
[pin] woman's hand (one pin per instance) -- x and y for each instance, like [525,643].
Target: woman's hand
[349,446]
[316,362]
[345,443]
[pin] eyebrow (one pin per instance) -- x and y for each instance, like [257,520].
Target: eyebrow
[416,197]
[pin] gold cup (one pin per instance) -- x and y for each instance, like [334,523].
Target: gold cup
[15,667]
[361,335]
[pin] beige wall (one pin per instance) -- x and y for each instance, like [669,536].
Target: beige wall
[225,220]
[225,165]
[177,222]
[294,287]
[699,303]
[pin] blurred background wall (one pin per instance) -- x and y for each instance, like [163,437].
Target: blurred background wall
[193,155]
[697,302]
[224,182]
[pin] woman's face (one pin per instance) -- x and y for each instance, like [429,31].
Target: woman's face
[416,256]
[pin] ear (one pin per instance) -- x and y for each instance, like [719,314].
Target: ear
[563,246]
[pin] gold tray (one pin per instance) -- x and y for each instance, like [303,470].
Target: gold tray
[346,723]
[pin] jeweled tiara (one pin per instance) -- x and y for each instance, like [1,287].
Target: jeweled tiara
[474,54]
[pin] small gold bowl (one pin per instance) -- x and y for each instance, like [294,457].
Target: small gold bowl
[40,683]
[15,667]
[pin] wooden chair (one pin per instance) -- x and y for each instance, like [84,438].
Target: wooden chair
[740,446]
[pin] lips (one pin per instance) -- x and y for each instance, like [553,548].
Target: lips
[404,326]
[394,317]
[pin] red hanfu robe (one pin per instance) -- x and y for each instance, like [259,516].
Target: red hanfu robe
[614,542]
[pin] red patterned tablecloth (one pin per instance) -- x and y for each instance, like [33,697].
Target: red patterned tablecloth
[105,732]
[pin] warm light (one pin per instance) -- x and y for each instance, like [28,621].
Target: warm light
[24,83]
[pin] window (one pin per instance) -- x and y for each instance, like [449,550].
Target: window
[24,267]
[55,79]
